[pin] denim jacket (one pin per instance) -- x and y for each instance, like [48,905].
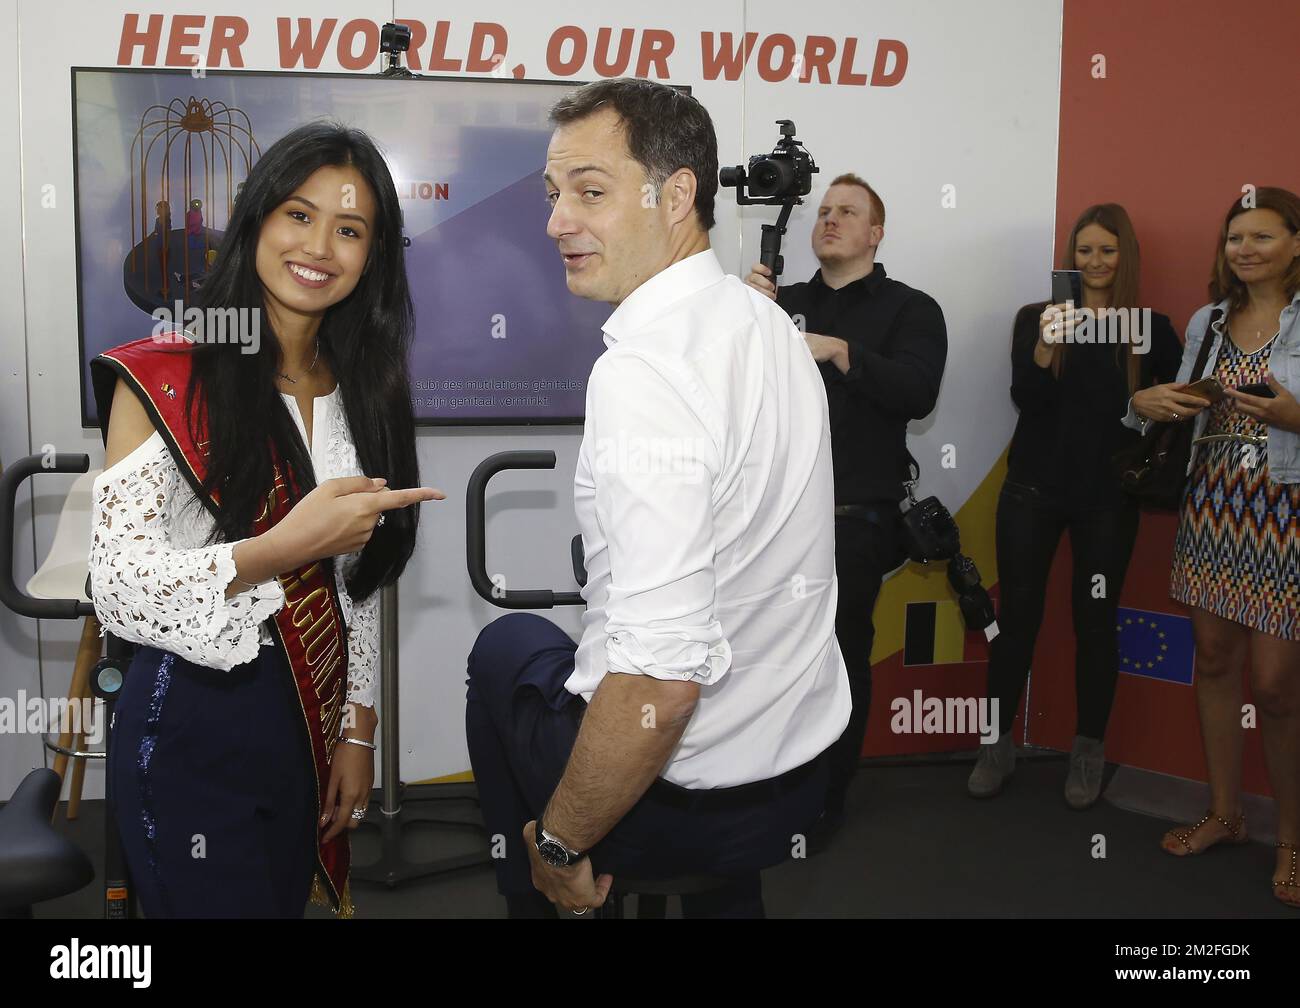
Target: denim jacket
[1284,364]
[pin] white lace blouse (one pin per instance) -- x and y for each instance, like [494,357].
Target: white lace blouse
[154,581]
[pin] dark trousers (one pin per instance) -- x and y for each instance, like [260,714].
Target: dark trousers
[521,724]
[1030,522]
[213,788]
[866,549]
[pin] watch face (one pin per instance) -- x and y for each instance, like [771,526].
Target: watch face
[553,853]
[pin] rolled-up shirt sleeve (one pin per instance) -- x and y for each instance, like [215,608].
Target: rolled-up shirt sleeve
[149,592]
[656,464]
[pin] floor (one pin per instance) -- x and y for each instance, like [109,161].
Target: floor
[914,845]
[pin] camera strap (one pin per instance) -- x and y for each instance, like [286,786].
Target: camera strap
[914,474]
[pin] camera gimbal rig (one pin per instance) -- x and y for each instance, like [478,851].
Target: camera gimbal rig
[781,178]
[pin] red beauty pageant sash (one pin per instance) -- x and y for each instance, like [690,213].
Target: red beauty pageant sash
[309,629]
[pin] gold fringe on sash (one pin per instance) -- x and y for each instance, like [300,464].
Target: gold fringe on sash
[320,897]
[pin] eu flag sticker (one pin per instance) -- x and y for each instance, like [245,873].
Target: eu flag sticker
[1156,645]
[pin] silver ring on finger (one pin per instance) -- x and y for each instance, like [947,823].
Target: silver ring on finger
[1176,416]
[381,520]
[358,814]
[579,913]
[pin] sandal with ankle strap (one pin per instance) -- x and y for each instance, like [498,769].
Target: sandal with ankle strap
[1291,880]
[1234,827]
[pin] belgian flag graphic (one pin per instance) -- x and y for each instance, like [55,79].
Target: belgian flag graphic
[935,634]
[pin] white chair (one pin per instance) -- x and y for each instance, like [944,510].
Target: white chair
[63,575]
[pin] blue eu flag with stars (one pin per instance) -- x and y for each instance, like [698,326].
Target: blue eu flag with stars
[1156,645]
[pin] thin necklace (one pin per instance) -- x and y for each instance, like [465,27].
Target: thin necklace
[1260,332]
[309,370]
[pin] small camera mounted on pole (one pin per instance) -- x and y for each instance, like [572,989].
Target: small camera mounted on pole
[394,39]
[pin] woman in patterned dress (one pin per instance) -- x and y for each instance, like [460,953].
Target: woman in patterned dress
[1237,554]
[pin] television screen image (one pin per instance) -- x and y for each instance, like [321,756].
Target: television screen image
[160,158]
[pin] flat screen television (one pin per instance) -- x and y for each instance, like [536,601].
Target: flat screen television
[499,339]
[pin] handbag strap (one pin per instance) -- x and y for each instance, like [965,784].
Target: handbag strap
[1204,354]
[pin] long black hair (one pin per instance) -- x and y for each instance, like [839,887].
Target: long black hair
[366,339]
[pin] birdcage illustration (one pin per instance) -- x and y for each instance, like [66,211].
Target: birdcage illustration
[198,149]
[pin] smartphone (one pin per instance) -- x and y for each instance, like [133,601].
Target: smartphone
[1067,285]
[1206,388]
[1259,389]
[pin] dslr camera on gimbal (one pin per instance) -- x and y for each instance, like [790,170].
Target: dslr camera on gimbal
[781,178]
[784,175]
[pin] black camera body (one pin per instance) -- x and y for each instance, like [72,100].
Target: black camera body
[931,532]
[785,175]
[782,178]
[394,39]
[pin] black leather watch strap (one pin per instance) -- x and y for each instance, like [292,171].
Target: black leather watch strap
[554,852]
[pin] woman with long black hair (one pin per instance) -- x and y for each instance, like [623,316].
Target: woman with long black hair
[246,518]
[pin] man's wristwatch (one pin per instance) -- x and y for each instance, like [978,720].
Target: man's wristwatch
[553,851]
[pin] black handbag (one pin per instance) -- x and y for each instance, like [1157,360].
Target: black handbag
[1153,470]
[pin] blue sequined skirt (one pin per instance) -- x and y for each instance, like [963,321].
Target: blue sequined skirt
[213,789]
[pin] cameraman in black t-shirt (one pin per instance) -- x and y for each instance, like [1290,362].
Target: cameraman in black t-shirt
[880,346]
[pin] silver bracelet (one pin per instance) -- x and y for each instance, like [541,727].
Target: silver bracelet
[357,741]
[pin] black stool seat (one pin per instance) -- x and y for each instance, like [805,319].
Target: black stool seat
[652,894]
[36,862]
[683,885]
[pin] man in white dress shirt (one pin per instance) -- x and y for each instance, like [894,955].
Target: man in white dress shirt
[683,734]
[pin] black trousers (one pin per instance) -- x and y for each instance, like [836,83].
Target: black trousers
[521,723]
[866,549]
[1030,522]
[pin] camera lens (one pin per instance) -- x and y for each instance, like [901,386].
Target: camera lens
[767,175]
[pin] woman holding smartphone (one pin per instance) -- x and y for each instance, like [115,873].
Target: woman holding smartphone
[1070,396]
[246,519]
[1237,555]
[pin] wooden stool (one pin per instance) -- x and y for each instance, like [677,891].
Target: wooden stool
[88,653]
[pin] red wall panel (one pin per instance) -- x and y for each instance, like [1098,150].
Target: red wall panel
[1197,102]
